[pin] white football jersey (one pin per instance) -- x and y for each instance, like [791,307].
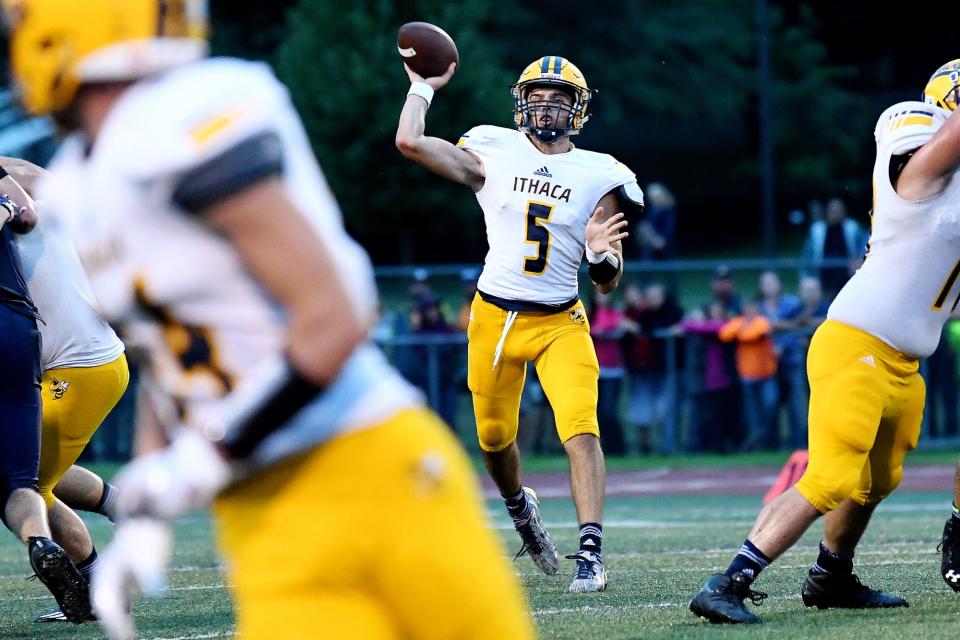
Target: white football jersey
[908,285]
[536,207]
[180,284]
[72,333]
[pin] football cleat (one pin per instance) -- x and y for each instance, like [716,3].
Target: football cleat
[844,591]
[950,548]
[53,616]
[537,543]
[591,575]
[56,571]
[720,600]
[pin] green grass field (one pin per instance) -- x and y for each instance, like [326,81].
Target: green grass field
[658,552]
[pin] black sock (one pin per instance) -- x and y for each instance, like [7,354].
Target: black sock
[830,562]
[517,505]
[750,561]
[87,566]
[591,537]
[109,497]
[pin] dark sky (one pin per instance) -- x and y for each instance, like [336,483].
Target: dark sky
[895,49]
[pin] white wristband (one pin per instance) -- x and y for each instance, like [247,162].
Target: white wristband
[595,258]
[423,90]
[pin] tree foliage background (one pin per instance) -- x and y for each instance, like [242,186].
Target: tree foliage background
[677,103]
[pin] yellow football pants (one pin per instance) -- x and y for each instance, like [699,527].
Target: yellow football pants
[75,401]
[379,533]
[866,405]
[558,344]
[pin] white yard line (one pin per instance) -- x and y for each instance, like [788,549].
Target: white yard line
[215,634]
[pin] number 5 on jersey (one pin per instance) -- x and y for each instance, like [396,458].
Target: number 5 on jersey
[537,234]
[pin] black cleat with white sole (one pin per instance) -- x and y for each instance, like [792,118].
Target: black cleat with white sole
[950,548]
[58,573]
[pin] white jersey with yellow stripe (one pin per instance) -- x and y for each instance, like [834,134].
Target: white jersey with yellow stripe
[536,207]
[72,333]
[170,146]
[910,281]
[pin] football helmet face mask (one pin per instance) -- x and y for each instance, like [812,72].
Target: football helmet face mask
[943,88]
[57,45]
[547,120]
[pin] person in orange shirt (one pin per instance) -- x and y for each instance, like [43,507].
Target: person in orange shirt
[757,366]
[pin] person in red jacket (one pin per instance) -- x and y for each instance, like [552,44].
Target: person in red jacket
[757,366]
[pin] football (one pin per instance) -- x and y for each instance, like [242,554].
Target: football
[426,48]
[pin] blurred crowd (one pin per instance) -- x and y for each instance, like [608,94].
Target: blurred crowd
[727,375]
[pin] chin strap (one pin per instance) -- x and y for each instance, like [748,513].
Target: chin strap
[547,136]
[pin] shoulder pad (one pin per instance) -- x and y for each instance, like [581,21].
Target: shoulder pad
[620,171]
[907,126]
[484,135]
[189,116]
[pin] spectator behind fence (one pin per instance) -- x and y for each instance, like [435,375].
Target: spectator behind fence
[782,310]
[837,236]
[814,306]
[718,423]
[757,367]
[652,311]
[606,328]
[724,289]
[428,319]
[657,233]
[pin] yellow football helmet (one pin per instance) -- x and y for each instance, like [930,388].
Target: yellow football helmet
[57,45]
[551,71]
[943,88]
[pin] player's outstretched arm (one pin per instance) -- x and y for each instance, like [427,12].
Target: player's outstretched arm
[926,174]
[436,154]
[604,233]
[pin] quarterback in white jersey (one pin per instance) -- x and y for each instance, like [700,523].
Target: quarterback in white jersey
[866,393]
[556,194]
[206,224]
[545,204]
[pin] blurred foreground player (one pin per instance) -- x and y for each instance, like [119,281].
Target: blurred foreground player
[193,196]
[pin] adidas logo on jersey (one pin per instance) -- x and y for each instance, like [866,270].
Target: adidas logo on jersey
[544,172]
[868,360]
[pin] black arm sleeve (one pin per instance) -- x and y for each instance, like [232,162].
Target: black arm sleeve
[605,270]
[232,171]
[268,412]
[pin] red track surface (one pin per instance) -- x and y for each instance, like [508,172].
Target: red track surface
[681,482]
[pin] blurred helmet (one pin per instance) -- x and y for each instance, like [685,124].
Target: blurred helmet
[943,88]
[551,71]
[57,45]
